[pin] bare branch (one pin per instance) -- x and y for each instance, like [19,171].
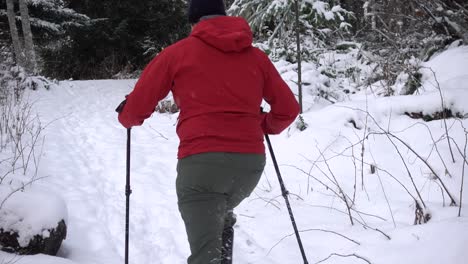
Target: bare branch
[314,229]
[410,175]
[267,201]
[344,198]
[343,256]
[159,133]
[444,114]
[463,174]
[390,135]
[453,202]
[18,190]
[383,190]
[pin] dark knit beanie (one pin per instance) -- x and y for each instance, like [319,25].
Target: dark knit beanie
[200,8]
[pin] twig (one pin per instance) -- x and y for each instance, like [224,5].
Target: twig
[13,260]
[460,151]
[444,114]
[313,229]
[343,256]
[435,146]
[363,144]
[434,18]
[380,231]
[463,175]
[315,178]
[390,135]
[461,7]
[453,202]
[391,176]
[159,133]
[315,162]
[385,193]
[345,200]
[410,175]
[266,201]
[358,212]
[353,209]
[17,190]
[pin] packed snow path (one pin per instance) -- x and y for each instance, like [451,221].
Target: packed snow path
[84,159]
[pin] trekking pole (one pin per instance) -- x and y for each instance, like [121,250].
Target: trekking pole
[285,195]
[128,191]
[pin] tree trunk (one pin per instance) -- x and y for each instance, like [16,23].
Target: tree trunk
[28,40]
[299,58]
[19,56]
[373,15]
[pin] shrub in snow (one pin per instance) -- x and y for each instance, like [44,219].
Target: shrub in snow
[332,77]
[31,221]
[301,124]
[20,129]
[397,33]
[446,113]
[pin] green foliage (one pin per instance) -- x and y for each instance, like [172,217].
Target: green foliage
[274,24]
[121,37]
[50,20]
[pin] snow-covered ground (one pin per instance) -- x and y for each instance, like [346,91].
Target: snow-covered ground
[83,161]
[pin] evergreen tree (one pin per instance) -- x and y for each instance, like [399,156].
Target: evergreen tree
[275,22]
[45,23]
[124,37]
[98,39]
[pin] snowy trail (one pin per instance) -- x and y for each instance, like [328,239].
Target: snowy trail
[84,161]
[76,163]
[85,158]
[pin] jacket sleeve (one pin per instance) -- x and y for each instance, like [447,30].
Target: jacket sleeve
[284,106]
[154,85]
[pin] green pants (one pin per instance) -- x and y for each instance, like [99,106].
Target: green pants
[209,187]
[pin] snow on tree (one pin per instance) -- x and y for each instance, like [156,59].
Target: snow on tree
[123,37]
[401,34]
[44,22]
[273,22]
[52,19]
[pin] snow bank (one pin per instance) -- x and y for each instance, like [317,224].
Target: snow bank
[30,212]
[36,259]
[447,70]
[329,152]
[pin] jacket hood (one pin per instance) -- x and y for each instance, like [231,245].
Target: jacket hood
[228,34]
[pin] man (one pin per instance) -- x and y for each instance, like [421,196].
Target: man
[218,80]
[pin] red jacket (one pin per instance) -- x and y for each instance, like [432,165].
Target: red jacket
[218,80]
